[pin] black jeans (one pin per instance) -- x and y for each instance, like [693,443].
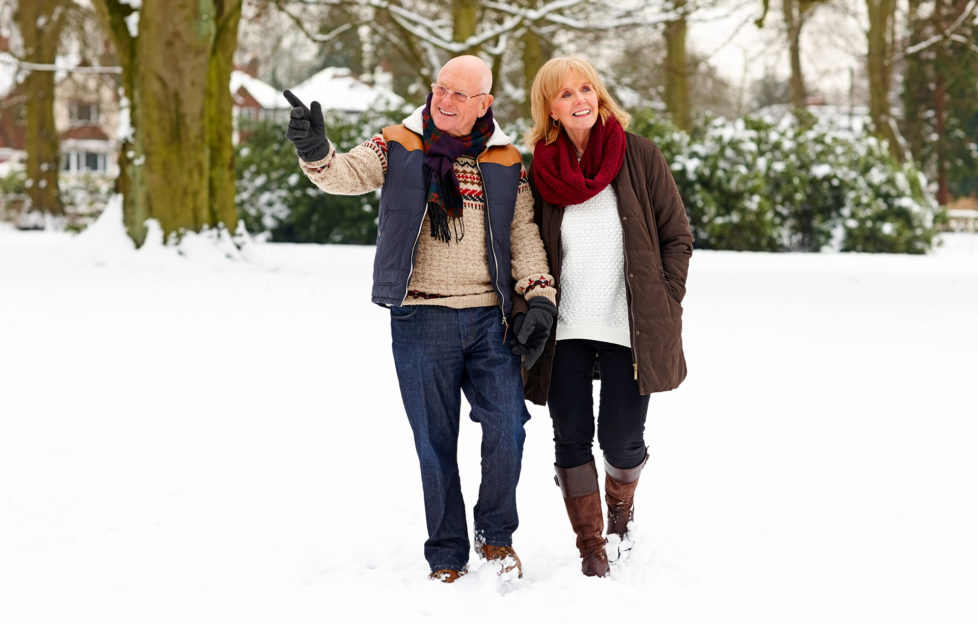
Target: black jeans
[621,411]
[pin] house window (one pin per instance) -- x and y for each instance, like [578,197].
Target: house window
[81,113]
[78,162]
[94,161]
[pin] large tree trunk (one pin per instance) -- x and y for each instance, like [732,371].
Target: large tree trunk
[176,72]
[465,19]
[40,23]
[879,48]
[677,72]
[536,52]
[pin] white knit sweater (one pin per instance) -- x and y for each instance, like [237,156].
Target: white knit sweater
[592,276]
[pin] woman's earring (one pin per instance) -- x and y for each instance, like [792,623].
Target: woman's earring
[555,123]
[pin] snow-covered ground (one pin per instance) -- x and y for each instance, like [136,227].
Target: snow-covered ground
[189,438]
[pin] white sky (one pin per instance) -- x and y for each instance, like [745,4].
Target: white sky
[833,44]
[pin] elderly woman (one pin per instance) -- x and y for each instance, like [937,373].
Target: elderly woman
[618,240]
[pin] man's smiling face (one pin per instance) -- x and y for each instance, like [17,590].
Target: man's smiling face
[463,76]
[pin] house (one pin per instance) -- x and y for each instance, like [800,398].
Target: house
[89,119]
[86,114]
[336,88]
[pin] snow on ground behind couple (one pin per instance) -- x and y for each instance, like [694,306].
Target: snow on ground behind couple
[200,439]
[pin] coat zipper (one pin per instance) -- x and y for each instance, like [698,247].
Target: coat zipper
[414,248]
[492,242]
[628,283]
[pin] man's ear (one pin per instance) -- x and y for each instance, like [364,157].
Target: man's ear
[487,102]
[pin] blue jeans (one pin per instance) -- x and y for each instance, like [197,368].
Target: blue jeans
[438,353]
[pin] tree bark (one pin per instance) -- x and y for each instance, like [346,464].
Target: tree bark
[879,49]
[676,91]
[176,72]
[794,20]
[465,19]
[40,23]
[535,54]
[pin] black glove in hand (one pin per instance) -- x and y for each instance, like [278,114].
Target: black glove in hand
[307,130]
[531,330]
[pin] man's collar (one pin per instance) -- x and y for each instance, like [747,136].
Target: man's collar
[414,124]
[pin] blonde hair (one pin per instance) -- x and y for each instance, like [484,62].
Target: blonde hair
[548,82]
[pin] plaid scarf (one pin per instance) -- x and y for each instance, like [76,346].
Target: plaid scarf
[440,151]
[563,181]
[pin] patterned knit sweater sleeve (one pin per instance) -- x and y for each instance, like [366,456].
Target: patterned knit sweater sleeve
[359,171]
[530,268]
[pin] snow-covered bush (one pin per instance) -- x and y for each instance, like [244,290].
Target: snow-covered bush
[13,194]
[794,185]
[275,198]
[85,196]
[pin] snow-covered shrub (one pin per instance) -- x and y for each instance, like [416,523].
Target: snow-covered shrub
[887,208]
[275,198]
[13,194]
[85,196]
[794,185]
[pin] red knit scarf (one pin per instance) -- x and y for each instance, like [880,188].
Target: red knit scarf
[564,181]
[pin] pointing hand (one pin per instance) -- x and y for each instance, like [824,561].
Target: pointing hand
[307,130]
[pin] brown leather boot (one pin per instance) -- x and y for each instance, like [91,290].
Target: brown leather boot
[619,486]
[505,555]
[446,575]
[579,485]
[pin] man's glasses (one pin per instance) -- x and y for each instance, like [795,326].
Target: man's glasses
[458,96]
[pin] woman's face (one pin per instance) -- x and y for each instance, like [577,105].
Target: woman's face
[575,105]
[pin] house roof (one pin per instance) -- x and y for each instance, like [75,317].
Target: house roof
[263,93]
[8,73]
[336,88]
[84,133]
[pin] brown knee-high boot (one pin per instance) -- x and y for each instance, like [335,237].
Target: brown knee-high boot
[619,486]
[582,498]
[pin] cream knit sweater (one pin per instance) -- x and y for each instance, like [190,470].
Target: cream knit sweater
[592,273]
[454,274]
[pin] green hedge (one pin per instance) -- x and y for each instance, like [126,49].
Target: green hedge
[794,185]
[276,199]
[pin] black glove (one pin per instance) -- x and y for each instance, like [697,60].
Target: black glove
[531,330]
[307,130]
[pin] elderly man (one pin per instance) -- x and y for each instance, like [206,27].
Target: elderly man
[456,244]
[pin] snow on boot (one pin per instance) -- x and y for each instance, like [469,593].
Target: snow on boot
[503,556]
[620,484]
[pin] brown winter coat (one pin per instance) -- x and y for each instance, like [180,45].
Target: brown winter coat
[658,245]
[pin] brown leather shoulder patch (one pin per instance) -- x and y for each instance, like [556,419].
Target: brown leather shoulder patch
[401,135]
[505,155]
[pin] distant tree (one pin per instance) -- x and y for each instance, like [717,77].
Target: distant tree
[639,72]
[676,67]
[770,90]
[796,13]
[177,167]
[881,46]
[940,93]
[424,34]
[40,23]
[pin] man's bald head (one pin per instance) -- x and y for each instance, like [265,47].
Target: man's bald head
[468,80]
[472,66]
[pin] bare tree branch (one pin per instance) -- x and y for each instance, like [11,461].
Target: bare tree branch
[948,34]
